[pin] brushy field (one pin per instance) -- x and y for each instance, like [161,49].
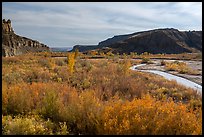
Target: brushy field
[180,67]
[44,95]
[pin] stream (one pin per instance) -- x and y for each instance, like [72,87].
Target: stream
[168,76]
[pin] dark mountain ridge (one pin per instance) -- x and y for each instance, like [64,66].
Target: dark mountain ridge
[167,40]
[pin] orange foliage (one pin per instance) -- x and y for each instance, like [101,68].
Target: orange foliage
[101,97]
[150,117]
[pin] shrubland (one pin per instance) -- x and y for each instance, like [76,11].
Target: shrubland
[180,67]
[133,55]
[46,95]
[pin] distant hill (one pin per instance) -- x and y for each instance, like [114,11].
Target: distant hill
[60,49]
[13,44]
[168,40]
[83,48]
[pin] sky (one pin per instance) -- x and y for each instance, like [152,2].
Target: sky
[65,24]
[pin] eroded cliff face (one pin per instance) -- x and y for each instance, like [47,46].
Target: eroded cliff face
[167,40]
[13,44]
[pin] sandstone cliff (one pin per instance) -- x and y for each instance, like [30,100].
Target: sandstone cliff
[13,44]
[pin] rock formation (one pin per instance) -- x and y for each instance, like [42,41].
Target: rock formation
[84,47]
[13,44]
[168,40]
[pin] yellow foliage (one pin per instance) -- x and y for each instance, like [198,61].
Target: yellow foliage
[150,117]
[71,62]
[126,66]
[31,125]
[180,67]
[101,97]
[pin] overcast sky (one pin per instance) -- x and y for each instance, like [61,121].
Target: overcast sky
[59,24]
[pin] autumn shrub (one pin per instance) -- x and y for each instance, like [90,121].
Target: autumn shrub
[126,66]
[59,62]
[24,126]
[98,98]
[195,104]
[149,117]
[12,100]
[44,62]
[84,65]
[32,76]
[11,60]
[83,113]
[101,53]
[63,129]
[93,52]
[145,60]
[71,62]
[116,59]
[110,54]
[80,80]
[13,77]
[89,122]
[49,105]
[133,54]
[44,76]
[62,73]
[112,80]
[5,97]
[159,87]
[124,56]
[180,67]
[25,98]
[19,100]
[31,125]
[171,67]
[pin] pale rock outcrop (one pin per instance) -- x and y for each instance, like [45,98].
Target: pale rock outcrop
[13,44]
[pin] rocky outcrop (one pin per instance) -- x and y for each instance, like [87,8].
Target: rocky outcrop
[168,40]
[13,44]
[83,48]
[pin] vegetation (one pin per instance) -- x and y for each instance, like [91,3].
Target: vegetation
[31,125]
[71,61]
[135,55]
[180,67]
[146,60]
[39,96]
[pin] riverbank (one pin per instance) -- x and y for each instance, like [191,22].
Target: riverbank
[168,76]
[194,65]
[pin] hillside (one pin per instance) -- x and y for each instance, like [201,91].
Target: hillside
[168,40]
[85,47]
[13,44]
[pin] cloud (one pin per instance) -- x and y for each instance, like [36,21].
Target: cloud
[70,23]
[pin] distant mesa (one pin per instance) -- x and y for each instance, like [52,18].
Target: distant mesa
[13,44]
[83,48]
[167,40]
[60,49]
